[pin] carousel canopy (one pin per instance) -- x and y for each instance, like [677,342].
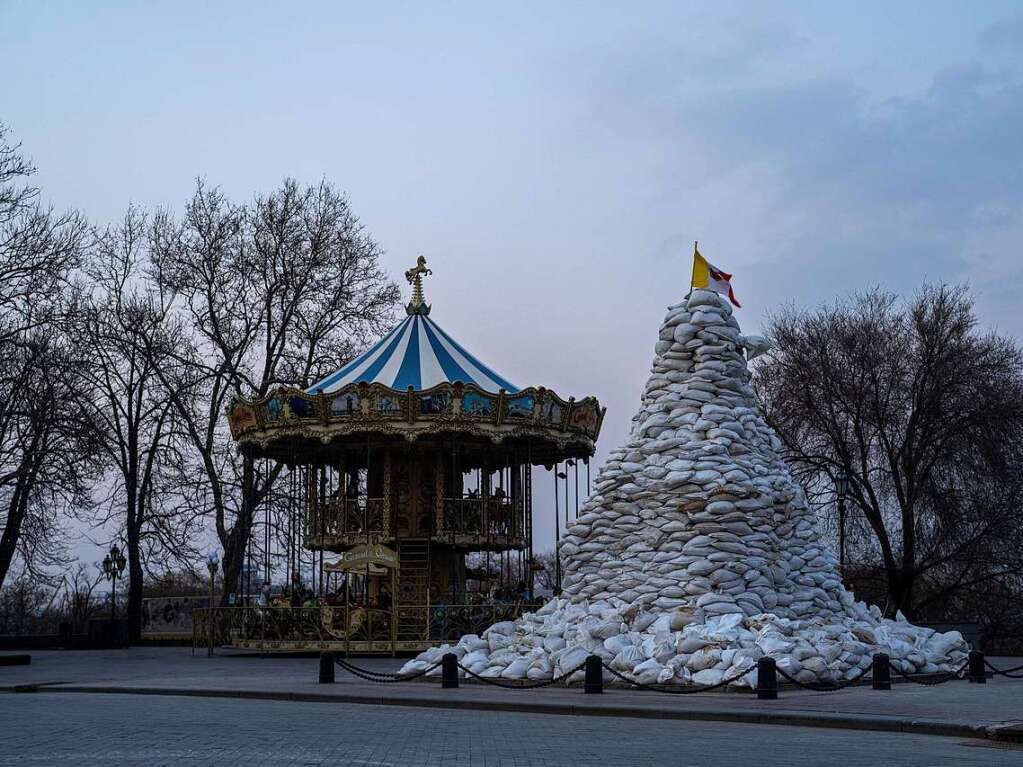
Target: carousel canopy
[452,392]
[417,353]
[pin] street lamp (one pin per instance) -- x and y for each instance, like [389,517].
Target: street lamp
[841,488]
[113,567]
[211,564]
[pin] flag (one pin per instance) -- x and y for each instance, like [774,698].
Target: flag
[709,277]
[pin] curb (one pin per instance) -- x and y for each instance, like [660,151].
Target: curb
[785,717]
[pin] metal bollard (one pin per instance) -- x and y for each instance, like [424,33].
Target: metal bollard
[767,679]
[594,675]
[975,671]
[326,668]
[449,671]
[881,672]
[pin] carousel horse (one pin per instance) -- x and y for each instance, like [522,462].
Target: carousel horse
[356,619]
[417,270]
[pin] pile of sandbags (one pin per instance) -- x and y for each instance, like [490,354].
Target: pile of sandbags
[696,554]
[649,647]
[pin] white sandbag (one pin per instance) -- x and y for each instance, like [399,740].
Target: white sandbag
[647,672]
[708,676]
[628,659]
[517,668]
[569,659]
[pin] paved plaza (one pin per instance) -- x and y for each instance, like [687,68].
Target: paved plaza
[113,730]
[166,706]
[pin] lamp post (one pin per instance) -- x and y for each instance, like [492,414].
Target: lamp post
[841,487]
[211,564]
[113,567]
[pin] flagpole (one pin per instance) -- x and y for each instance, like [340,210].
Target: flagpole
[696,244]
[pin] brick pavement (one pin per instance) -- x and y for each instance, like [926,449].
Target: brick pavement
[115,730]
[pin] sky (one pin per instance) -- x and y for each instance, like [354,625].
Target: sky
[555,161]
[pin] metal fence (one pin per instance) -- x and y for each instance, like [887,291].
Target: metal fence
[345,627]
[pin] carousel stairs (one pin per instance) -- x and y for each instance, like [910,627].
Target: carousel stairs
[413,587]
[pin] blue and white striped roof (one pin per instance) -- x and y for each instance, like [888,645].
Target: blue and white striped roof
[417,353]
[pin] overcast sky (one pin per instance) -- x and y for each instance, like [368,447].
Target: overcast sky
[555,161]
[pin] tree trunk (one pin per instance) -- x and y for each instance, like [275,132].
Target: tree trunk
[237,539]
[900,591]
[18,508]
[12,530]
[134,586]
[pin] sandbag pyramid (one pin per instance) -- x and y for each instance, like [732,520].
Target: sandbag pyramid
[697,554]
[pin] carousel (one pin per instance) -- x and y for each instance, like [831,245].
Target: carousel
[407,478]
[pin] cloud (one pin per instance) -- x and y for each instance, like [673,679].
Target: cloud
[1006,34]
[833,189]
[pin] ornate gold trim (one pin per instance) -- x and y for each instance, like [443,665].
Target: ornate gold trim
[287,413]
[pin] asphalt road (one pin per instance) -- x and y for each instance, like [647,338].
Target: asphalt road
[76,728]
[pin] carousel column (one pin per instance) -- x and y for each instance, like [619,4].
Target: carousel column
[316,513]
[438,491]
[291,532]
[268,502]
[527,497]
[365,500]
[515,473]
[557,536]
[564,476]
[500,514]
[483,486]
[457,495]
[575,463]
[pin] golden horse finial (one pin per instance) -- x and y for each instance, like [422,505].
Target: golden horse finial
[415,278]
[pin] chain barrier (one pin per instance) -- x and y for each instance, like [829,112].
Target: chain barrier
[823,686]
[511,685]
[948,676]
[1007,672]
[676,690]
[383,676]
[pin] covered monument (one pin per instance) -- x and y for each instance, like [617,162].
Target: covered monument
[404,492]
[697,554]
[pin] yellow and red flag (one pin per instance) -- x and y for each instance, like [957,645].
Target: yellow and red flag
[709,277]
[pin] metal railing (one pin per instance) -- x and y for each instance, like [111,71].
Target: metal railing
[444,623]
[481,518]
[341,626]
[347,520]
[350,521]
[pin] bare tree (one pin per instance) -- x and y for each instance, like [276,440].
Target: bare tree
[46,448]
[43,457]
[124,334]
[924,414]
[275,292]
[79,603]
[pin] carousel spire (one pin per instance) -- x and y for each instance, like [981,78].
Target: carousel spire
[414,276]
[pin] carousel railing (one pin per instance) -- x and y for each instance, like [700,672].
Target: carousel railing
[347,519]
[482,518]
[269,628]
[442,622]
